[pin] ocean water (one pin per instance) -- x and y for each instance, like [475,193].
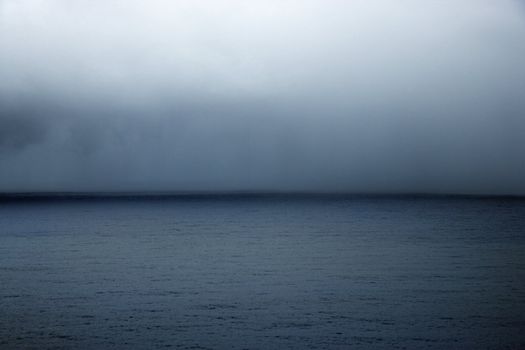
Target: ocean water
[262,272]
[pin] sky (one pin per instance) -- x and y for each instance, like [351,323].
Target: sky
[358,96]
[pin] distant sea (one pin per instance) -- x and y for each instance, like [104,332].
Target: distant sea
[262,272]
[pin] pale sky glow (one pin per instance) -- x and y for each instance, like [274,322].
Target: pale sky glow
[354,96]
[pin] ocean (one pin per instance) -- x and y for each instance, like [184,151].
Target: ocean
[262,272]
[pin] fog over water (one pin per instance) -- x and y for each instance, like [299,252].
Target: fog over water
[354,96]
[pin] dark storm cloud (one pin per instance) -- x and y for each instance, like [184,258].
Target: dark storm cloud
[19,131]
[362,96]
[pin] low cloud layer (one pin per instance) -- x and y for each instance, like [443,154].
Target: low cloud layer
[353,96]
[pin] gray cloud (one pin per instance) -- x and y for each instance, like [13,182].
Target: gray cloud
[362,96]
[18,131]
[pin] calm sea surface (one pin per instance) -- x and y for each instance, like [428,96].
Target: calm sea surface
[263,272]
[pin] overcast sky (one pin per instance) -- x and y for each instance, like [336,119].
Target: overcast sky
[288,95]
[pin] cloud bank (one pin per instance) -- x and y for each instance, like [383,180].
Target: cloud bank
[310,95]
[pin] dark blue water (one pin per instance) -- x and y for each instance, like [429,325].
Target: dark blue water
[263,272]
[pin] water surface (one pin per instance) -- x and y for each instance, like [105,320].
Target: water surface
[263,272]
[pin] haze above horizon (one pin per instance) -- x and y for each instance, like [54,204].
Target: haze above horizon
[399,97]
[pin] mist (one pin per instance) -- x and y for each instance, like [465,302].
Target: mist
[336,96]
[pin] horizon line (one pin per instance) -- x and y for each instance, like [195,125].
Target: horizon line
[86,195]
